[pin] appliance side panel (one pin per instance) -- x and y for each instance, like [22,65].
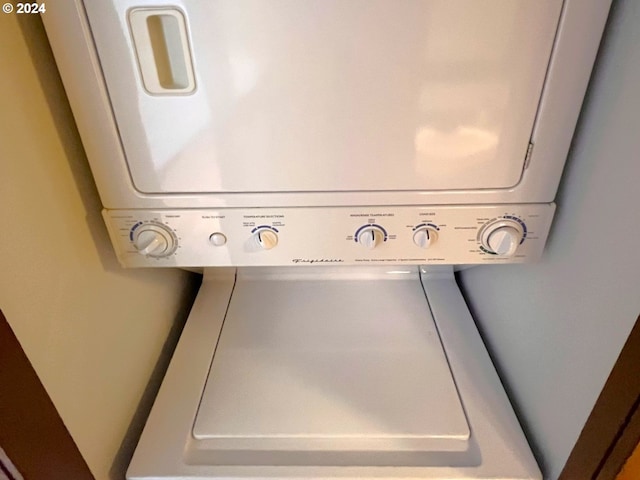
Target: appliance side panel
[72,44]
[555,329]
[577,43]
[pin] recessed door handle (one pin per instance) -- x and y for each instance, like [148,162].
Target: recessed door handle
[162,50]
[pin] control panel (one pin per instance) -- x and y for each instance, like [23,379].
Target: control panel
[331,235]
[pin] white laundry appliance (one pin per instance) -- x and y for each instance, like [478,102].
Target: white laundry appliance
[328,163]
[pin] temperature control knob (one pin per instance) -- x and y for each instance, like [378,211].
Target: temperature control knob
[503,237]
[370,237]
[154,240]
[424,237]
[266,238]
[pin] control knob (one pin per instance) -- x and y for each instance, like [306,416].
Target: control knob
[370,237]
[502,237]
[425,236]
[266,238]
[154,240]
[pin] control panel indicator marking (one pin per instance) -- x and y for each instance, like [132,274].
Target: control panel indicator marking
[425,225]
[264,227]
[384,232]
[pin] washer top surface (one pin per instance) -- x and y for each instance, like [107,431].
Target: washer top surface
[317,365]
[168,448]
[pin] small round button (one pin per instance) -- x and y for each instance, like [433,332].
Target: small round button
[424,237]
[217,239]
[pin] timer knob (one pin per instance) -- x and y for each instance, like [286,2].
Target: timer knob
[154,240]
[370,237]
[424,237]
[503,237]
[266,238]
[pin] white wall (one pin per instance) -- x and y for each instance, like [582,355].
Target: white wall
[92,330]
[556,328]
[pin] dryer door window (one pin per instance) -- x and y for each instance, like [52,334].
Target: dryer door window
[324,95]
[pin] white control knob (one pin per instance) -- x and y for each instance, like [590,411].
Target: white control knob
[154,241]
[503,237]
[370,237]
[504,241]
[266,238]
[424,237]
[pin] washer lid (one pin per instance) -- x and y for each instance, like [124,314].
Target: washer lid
[330,365]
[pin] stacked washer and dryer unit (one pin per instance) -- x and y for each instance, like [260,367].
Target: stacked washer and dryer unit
[328,163]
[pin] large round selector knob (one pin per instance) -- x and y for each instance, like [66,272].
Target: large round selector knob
[425,236]
[154,240]
[266,238]
[503,237]
[370,237]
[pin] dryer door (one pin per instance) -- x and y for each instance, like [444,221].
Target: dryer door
[324,95]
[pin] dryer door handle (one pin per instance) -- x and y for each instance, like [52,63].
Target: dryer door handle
[161,42]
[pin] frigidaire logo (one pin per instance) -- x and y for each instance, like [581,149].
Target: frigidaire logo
[317,260]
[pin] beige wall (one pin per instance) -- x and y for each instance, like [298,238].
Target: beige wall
[92,330]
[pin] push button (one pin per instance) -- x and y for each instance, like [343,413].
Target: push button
[217,239]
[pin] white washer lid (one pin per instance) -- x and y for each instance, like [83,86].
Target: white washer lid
[330,365]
